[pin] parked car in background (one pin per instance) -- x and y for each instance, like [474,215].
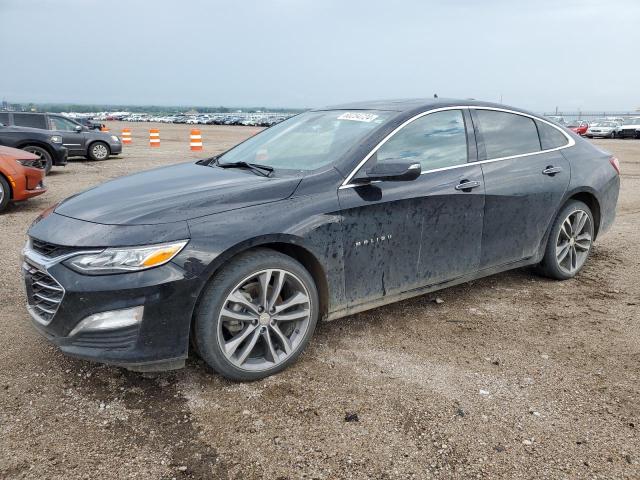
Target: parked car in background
[79,140]
[21,175]
[89,123]
[578,126]
[630,128]
[330,213]
[602,128]
[42,143]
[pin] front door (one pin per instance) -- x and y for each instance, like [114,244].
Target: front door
[72,139]
[524,186]
[404,235]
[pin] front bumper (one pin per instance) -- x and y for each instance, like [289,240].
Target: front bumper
[602,134]
[27,184]
[115,147]
[161,337]
[60,155]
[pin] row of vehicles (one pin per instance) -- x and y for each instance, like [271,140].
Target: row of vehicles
[32,143]
[604,127]
[253,120]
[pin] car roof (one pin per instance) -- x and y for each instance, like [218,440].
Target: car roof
[410,104]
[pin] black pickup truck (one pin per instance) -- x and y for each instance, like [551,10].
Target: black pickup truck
[78,139]
[46,145]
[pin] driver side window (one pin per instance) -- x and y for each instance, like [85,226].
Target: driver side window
[63,124]
[437,140]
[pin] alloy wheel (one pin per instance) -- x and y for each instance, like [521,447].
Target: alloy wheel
[2,193]
[100,151]
[264,319]
[574,241]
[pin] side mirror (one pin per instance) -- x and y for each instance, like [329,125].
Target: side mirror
[391,172]
[78,128]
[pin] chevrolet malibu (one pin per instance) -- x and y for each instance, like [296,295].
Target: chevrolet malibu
[329,213]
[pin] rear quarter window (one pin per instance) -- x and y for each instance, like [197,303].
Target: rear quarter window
[507,134]
[4,118]
[550,137]
[30,120]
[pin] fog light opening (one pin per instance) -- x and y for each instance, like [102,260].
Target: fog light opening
[111,320]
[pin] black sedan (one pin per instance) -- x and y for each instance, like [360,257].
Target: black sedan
[326,214]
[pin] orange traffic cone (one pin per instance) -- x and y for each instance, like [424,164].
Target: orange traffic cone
[126,136]
[154,137]
[195,140]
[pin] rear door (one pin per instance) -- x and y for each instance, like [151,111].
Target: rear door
[71,138]
[525,181]
[403,235]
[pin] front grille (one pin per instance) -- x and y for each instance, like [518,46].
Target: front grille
[44,293]
[50,250]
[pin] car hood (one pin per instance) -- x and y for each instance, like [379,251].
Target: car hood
[175,193]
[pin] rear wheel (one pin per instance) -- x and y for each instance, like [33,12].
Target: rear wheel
[570,241]
[98,151]
[256,315]
[5,193]
[46,162]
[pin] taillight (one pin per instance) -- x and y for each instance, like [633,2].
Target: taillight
[615,164]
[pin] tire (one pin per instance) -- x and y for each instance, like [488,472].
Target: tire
[564,238]
[98,151]
[223,341]
[5,193]
[44,155]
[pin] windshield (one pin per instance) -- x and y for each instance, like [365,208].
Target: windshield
[603,124]
[307,141]
[632,121]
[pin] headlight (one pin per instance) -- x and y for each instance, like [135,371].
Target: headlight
[115,139]
[30,163]
[56,139]
[125,259]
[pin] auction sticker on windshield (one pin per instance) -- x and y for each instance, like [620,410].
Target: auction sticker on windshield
[358,116]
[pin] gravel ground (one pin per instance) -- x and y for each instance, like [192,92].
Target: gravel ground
[512,376]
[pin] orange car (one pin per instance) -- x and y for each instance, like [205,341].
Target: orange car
[21,175]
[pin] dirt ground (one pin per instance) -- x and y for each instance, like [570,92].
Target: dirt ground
[512,376]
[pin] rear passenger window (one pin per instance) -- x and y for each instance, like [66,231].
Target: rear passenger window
[506,134]
[550,137]
[30,120]
[4,118]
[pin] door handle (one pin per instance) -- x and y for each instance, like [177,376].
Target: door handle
[551,170]
[467,186]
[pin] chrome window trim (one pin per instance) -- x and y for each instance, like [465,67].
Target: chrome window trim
[570,141]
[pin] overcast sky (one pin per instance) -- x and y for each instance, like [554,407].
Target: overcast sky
[304,53]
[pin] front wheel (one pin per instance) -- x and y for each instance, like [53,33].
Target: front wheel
[5,193]
[570,241]
[256,316]
[98,151]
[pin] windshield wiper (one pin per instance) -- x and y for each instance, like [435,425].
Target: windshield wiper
[264,170]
